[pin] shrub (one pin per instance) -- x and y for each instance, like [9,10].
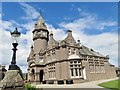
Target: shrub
[29,87]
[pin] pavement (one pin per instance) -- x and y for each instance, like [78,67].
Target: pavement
[92,84]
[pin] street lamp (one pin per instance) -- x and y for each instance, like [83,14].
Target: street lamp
[15,38]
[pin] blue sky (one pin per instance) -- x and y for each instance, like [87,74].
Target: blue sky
[95,24]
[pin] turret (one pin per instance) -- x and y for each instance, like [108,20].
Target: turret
[40,36]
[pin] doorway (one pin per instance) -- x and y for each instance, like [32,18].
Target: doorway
[41,75]
[33,75]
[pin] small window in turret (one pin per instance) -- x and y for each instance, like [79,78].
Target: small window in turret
[69,51]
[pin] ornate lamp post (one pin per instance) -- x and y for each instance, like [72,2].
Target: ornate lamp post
[15,37]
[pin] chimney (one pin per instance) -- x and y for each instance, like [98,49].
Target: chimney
[36,26]
[69,32]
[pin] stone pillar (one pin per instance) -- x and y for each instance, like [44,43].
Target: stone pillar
[84,73]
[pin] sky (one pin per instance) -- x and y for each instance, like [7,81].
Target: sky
[94,23]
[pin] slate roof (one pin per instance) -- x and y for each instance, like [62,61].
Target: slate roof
[87,51]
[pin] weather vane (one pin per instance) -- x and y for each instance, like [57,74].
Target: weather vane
[41,12]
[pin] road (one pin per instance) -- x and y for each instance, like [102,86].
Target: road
[92,84]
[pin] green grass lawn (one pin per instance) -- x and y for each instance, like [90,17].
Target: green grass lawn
[113,85]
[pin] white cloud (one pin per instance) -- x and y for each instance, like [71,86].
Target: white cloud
[6,25]
[104,25]
[88,22]
[68,18]
[28,26]
[6,47]
[75,8]
[81,23]
[79,9]
[59,34]
[31,13]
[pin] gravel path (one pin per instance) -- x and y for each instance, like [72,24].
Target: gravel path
[92,84]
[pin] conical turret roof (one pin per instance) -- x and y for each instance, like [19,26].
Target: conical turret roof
[40,24]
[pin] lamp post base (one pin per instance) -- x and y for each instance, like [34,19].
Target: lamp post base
[15,67]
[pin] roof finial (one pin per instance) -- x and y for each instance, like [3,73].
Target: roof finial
[40,12]
[41,24]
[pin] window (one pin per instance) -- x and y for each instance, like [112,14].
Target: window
[51,71]
[71,62]
[75,69]
[79,71]
[75,61]
[69,51]
[91,68]
[97,69]
[53,55]
[48,56]
[96,65]
[102,69]
[75,65]
[74,51]
[72,72]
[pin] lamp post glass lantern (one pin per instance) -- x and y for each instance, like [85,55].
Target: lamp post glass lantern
[15,36]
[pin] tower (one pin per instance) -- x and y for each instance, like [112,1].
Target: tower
[40,36]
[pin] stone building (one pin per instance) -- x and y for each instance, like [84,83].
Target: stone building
[60,62]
